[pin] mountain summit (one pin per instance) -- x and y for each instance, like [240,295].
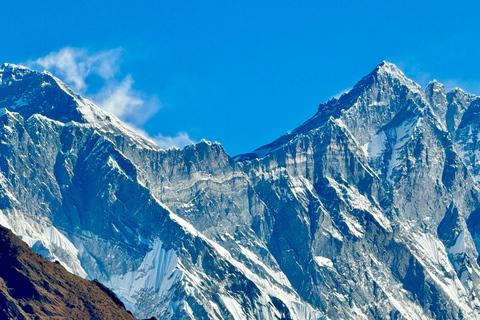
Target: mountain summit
[368,210]
[371,103]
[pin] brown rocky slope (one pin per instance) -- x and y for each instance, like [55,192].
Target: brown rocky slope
[32,287]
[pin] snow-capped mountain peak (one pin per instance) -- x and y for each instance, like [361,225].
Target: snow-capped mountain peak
[390,68]
[370,104]
[368,210]
[30,92]
[388,74]
[10,67]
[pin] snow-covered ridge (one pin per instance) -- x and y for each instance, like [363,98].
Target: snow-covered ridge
[44,238]
[158,272]
[91,114]
[268,289]
[368,210]
[391,70]
[381,82]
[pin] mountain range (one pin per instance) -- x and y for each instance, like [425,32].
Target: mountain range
[368,210]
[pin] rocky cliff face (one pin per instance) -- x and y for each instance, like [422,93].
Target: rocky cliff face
[91,194]
[370,209]
[387,201]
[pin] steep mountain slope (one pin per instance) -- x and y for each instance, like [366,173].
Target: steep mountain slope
[386,202]
[79,190]
[34,288]
[368,210]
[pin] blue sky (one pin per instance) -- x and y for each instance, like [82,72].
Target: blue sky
[238,72]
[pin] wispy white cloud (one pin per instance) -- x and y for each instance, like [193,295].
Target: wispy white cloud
[126,103]
[74,65]
[341,93]
[116,94]
[180,140]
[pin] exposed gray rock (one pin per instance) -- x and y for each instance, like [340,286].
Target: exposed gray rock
[369,210]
